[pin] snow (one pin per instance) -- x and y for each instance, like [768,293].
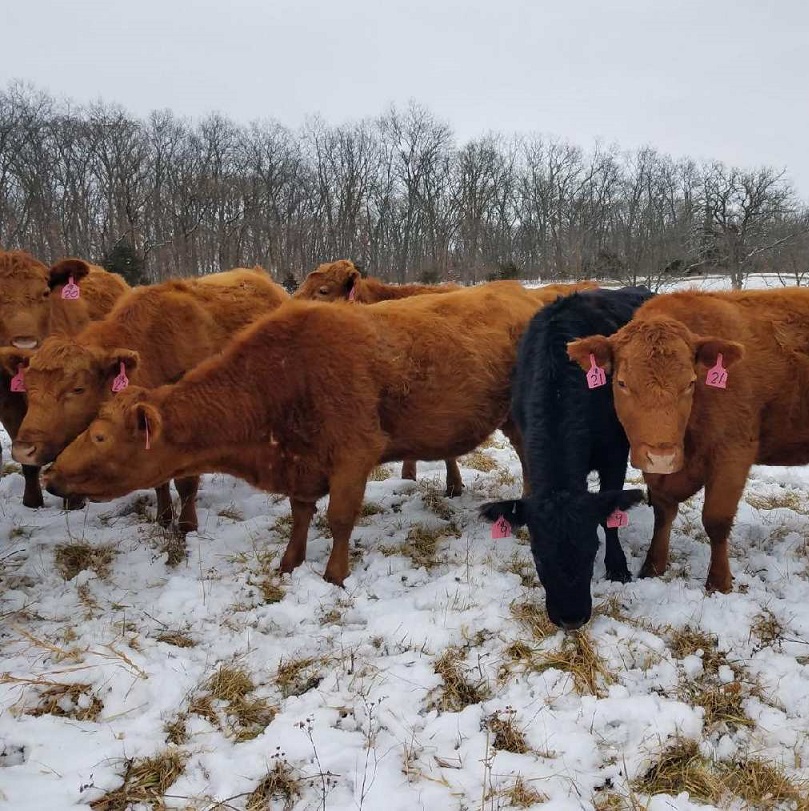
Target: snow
[365,725]
[371,718]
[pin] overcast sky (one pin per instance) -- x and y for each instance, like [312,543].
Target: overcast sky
[712,79]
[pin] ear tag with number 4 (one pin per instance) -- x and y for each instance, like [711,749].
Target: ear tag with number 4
[717,375]
[17,382]
[501,528]
[617,519]
[121,380]
[71,290]
[596,376]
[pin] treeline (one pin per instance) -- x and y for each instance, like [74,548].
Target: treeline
[167,196]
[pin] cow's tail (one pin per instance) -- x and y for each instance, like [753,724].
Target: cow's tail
[514,511]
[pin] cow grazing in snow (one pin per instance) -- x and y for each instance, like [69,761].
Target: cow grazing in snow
[154,335]
[307,401]
[31,308]
[706,385]
[568,431]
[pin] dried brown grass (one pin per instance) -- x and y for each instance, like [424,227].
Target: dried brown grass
[460,688]
[76,701]
[145,782]
[72,558]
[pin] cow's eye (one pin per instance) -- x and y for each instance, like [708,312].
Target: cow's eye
[45,293]
[98,438]
[323,291]
[78,390]
[621,384]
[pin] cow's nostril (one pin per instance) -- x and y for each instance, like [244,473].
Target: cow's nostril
[23,452]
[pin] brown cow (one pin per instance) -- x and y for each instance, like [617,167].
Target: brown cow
[293,410]
[154,335]
[32,307]
[341,281]
[684,431]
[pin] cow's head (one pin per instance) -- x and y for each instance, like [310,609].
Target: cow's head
[656,364]
[66,383]
[24,300]
[123,449]
[333,281]
[564,542]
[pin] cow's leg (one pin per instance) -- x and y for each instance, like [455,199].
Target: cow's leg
[32,495]
[722,493]
[409,469]
[611,477]
[454,480]
[346,490]
[514,435]
[187,488]
[295,553]
[165,514]
[657,556]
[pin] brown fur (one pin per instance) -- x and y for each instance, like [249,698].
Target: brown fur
[158,333]
[293,410]
[31,308]
[334,281]
[686,435]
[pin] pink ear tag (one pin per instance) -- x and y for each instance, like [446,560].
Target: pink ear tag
[121,380]
[501,528]
[71,290]
[617,519]
[148,442]
[596,376]
[352,296]
[717,375]
[17,382]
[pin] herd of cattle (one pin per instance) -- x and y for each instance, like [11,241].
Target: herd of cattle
[119,388]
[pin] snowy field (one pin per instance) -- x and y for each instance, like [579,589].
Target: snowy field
[432,681]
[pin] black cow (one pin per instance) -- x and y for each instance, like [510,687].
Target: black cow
[569,430]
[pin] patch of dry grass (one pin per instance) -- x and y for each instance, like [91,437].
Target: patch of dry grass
[524,569]
[690,641]
[435,500]
[176,730]
[506,735]
[72,558]
[533,617]
[145,783]
[231,512]
[176,638]
[722,703]
[76,701]
[478,460]
[379,474]
[758,783]
[767,627]
[245,715]
[681,767]
[279,789]
[297,676]
[421,544]
[461,688]
[785,499]
[518,795]
[579,657]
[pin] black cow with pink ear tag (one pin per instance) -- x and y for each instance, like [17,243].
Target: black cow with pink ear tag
[569,428]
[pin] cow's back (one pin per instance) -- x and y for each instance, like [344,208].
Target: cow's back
[237,297]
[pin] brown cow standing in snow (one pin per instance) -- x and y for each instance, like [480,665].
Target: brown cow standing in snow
[307,401]
[154,335]
[31,308]
[706,385]
[342,281]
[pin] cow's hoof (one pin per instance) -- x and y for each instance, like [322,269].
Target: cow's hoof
[649,570]
[619,575]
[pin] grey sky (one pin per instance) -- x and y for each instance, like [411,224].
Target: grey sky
[705,78]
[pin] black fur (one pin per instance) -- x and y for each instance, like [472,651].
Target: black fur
[570,430]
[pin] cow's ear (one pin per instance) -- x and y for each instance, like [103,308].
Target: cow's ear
[112,360]
[144,420]
[12,358]
[596,345]
[708,349]
[351,278]
[62,271]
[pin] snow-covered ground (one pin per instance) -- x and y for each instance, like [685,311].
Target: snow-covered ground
[432,681]
[408,688]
